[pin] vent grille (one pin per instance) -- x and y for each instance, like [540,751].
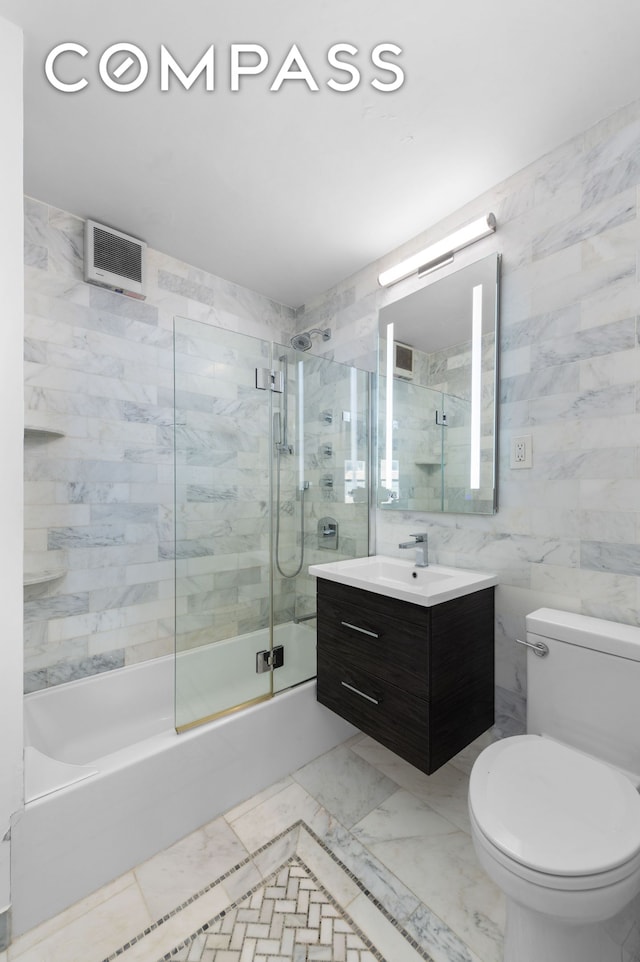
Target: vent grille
[403,366]
[117,255]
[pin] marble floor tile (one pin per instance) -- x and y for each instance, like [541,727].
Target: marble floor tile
[631,946]
[436,861]
[94,935]
[277,853]
[445,791]
[442,944]
[183,869]
[385,887]
[341,886]
[401,816]
[47,930]
[384,936]
[240,881]
[260,824]
[327,779]
[443,872]
[161,939]
[44,931]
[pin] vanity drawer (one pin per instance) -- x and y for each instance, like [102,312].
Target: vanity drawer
[392,650]
[395,718]
[378,607]
[388,650]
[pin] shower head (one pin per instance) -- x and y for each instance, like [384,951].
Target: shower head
[302,342]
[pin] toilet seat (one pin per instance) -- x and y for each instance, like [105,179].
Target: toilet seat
[559,884]
[551,812]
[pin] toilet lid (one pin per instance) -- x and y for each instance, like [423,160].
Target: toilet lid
[553,808]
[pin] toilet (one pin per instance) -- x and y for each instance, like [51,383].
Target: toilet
[555,813]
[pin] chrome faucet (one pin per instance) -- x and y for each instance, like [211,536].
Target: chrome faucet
[421,546]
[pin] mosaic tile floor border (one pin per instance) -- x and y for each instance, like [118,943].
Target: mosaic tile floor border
[189,931]
[288,917]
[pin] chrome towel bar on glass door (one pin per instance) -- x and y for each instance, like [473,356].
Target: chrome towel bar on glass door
[538,647]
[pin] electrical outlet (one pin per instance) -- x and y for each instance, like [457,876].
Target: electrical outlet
[521,452]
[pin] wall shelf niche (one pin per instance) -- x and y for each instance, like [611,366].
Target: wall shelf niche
[39,432]
[41,577]
[42,433]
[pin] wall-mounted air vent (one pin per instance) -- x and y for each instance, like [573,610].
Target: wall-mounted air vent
[114,260]
[402,361]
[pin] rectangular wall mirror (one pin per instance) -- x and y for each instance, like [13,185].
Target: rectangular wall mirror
[436,398]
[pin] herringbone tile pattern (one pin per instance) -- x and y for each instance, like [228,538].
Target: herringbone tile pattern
[290,919]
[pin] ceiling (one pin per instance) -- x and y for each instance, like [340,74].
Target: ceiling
[288,192]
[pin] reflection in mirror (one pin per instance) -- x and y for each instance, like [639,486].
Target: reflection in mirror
[437,395]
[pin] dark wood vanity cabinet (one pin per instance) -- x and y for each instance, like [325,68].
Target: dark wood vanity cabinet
[420,680]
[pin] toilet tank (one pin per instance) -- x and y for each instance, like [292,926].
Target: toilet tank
[586,691]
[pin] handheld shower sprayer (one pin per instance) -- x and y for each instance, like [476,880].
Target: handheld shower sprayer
[281,417]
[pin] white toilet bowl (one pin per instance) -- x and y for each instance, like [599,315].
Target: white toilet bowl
[559,832]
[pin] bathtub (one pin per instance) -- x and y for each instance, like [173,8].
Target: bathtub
[109,783]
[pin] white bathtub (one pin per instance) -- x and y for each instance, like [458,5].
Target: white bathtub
[109,782]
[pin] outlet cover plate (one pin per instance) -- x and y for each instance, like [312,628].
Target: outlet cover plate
[521,452]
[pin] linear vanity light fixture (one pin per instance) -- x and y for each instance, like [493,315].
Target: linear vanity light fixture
[388,451]
[475,428]
[440,253]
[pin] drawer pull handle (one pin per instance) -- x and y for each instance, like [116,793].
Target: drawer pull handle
[357,691]
[365,631]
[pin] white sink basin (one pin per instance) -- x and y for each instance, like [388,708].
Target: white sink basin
[401,579]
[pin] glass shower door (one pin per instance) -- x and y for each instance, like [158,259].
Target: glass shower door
[222,523]
[271,476]
[320,493]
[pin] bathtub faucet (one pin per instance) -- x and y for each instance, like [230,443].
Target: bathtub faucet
[422,548]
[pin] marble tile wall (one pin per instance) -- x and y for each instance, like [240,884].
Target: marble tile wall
[567,531]
[99,500]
